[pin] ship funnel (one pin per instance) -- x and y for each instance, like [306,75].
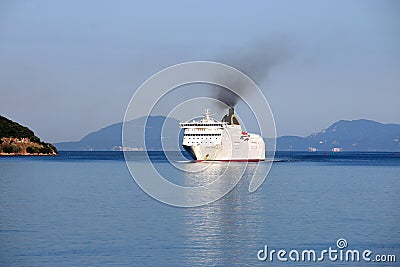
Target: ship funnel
[230,118]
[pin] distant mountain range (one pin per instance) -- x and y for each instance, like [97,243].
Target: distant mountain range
[355,135]
[110,137]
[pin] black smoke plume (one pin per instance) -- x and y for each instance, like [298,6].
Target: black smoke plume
[255,60]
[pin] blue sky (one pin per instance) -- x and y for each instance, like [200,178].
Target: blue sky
[70,67]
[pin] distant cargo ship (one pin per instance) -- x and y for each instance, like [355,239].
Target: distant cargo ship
[212,140]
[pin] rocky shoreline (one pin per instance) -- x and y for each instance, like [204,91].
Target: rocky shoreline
[26,154]
[13,146]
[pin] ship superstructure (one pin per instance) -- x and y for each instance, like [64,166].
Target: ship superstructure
[208,139]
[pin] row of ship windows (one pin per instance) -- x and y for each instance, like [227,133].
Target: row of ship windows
[200,138]
[202,134]
[186,125]
[202,129]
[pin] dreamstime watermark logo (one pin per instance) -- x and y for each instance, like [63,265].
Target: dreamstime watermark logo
[338,253]
[158,86]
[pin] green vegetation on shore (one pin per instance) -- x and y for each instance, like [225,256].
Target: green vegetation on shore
[16,139]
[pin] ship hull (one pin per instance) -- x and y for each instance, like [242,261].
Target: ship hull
[209,140]
[239,152]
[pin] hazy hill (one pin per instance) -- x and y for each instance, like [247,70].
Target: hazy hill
[356,135]
[110,137]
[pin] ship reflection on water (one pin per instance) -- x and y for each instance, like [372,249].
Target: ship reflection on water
[215,233]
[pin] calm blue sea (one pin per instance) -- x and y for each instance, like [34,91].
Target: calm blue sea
[84,209]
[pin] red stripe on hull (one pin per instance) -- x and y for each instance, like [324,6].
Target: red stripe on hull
[231,160]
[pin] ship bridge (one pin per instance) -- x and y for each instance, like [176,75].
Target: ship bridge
[207,131]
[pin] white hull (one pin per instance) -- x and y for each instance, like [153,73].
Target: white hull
[209,140]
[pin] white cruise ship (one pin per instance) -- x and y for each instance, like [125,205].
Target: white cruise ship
[212,140]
